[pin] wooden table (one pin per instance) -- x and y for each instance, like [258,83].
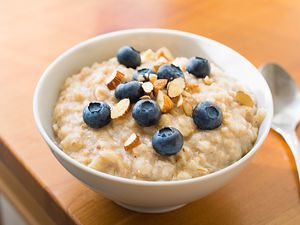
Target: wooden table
[34,32]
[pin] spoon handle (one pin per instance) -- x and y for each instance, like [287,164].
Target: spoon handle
[293,142]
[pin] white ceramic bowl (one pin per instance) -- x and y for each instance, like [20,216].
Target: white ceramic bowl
[147,196]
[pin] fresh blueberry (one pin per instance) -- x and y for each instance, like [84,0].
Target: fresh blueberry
[169,71]
[207,116]
[142,72]
[167,141]
[129,57]
[198,66]
[146,113]
[96,114]
[132,90]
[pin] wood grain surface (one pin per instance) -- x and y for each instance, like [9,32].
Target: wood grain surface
[34,32]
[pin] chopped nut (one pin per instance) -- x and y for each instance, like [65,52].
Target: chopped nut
[140,78]
[145,97]
[159,85]
[207,80]
[164,102]
[147,87]
[179,101]
[165,53]
[131,142]
[244,99]
[161,60]
[192,87]
[120,109]
[147,55]
[152,77]
[115,80]
[187,108]
[176,87]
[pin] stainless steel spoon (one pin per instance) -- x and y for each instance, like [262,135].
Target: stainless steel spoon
[286,98]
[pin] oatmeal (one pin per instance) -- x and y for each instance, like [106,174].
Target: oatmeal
[150,116]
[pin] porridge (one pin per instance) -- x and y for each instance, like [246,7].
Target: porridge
[150,116]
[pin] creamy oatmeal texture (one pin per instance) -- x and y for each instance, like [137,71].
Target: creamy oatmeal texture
[203,152]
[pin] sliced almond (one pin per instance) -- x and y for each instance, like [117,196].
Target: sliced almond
[176,87]
[120,109]
[161,60]
[187,108]
[147,87]
[244,99]
[131,142]
[179,101]
[192,87]
[115,80]
[165,53]
[152,77]
[145,97]
[159,85]
[207,80]
[147,55]
[164,102]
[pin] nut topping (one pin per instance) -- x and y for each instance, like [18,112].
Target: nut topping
[152,77]
[164,102]
[176,87]
[159,85]
[115,80]
[147,87]
[120,109]
[244,99]
[187,108]
[165,53]
[161,60]
[131,142]
[179,101]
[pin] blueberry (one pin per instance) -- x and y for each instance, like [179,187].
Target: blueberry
[146,113]
[169,71]
[96,114]
[132,90]
[207,116]
[129,57]
[142,72]
[198,66]
[167,141]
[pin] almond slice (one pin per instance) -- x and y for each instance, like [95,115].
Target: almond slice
[159,85]
[131,142]
[152,77]
[115,80]
[161,60]
[187,108]
[164,102]
[145,97]
[147,87]
[120,109]
[165,53]
[244,99]
[207,80]
[192,87]
[179,101]
[147,55]
[176,87]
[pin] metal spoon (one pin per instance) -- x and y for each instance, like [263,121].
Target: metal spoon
[286,97]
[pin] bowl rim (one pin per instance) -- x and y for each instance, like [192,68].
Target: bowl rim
[78,165]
